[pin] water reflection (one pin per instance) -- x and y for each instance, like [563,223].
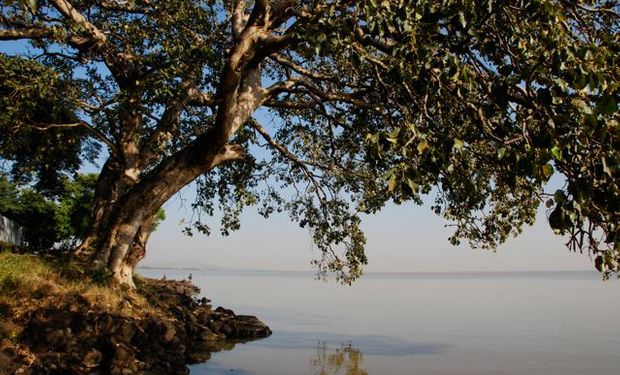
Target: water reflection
[201,351]
[369,344]
[346,360]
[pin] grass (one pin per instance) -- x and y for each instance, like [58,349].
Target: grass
[28,282]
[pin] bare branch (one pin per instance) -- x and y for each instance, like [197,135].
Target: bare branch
[369,57]
[279,87]
[309,88]
[331,96]
[290,104]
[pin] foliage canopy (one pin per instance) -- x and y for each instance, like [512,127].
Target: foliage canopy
[48,222]
[356,103]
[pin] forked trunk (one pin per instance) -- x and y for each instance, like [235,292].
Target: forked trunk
[128,230]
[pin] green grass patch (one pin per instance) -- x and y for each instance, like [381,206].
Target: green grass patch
[23,272]
[29,281]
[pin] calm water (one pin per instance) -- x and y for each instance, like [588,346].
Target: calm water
[500,323]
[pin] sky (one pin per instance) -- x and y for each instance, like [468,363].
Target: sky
[405,238]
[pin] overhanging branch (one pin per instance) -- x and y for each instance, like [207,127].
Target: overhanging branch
[95,132]
[27,33]
[290,156]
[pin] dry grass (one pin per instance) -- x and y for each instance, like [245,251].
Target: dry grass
[28,282]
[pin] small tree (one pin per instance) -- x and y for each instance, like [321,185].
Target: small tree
[355,102]
[49,223]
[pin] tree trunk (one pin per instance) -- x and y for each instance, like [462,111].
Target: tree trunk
[105,197]
[126,234]
[125,231]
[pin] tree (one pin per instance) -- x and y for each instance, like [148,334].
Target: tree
[49,223]
[33,97]
[327,109]
[74,207]
[32,211]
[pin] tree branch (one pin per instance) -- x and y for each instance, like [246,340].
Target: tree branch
[290,156]
[200,99]
[383,44]
[299,69]
[97,133]
[67,10]
[290,104]
[238,19]
[28,33]
[126,6]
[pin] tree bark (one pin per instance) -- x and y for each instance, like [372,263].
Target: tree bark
[105,197]
[126,235]
[136,203]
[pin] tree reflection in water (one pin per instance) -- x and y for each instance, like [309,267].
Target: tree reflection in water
[344,361]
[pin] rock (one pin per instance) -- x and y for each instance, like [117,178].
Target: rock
[224,311]
[105,324]
[126,329]
[123,352]
[216,326]
[203,317]
[92,358]
[75,339]
[249,327]
[169,331]
[8,358]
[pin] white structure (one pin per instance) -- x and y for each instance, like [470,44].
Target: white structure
[10,232]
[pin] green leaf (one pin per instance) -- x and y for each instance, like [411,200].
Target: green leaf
[559,196]
[599,263]
[392,183]
[580,79]
[606,168]
[462,19]
[606,105]
[547,170]
[413,187]
[33,5]
[422,146]
[556,152]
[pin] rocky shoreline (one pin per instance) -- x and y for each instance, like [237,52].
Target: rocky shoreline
[74,339]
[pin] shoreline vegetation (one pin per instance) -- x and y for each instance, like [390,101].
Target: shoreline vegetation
[54,319]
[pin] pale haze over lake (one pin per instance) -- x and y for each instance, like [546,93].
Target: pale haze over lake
[452,322]
[421,323]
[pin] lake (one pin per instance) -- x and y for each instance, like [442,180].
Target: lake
[420,323]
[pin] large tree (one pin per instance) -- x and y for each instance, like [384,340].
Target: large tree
[330,108]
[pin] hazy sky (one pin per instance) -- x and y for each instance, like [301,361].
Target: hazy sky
[400,239]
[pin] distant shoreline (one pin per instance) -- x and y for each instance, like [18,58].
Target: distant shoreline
[382,274]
